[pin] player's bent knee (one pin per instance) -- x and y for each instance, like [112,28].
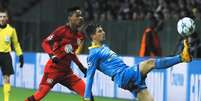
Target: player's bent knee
[144,95]
[147,66]
[148,63]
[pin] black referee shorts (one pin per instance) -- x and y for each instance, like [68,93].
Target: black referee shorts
[6,64]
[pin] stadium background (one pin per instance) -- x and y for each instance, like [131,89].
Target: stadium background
[35,19]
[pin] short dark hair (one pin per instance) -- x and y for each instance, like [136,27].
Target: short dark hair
[90,30]
[72,10]
[3,10]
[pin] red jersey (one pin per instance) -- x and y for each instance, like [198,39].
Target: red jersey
[61,37]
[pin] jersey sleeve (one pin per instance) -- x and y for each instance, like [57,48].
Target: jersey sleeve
[16,43]
[92,63]
[77,62]
[54,36]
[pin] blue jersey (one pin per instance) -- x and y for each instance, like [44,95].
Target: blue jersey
[106,61]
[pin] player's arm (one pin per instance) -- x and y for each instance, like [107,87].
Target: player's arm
[89,79]
[17,47]
[16,43]
[79,64]
[46,43]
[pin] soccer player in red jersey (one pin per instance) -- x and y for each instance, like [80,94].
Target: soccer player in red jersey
[66,40]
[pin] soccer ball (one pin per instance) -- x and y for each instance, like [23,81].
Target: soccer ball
[185,26]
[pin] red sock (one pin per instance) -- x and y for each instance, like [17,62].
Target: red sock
[41,92]
[79,87]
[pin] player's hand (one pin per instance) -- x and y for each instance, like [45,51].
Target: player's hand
[21,60]
[84,71]
[54,58]
[68,48]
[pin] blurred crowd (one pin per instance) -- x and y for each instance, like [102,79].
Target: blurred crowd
[107,10]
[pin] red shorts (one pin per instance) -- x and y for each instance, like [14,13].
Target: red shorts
[67,79]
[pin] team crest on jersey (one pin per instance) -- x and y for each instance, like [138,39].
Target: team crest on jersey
[7,39]
[68,48]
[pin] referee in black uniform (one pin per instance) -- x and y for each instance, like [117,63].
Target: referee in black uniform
[8,36]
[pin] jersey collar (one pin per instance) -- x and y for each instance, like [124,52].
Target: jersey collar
[93,45]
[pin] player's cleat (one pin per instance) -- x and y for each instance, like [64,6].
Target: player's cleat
[31,98]
[185,54]
[86,99]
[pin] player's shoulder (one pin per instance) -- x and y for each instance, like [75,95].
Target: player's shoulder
[92,56]
[62,27]
[81,35]
[94,52]
[8,26]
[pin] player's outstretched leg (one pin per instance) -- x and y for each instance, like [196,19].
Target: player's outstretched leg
[75,83]
[39,94]
[166,62]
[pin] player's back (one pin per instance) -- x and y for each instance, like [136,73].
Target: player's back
[106,60]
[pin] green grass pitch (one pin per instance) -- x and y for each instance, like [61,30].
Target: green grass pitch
[19,94]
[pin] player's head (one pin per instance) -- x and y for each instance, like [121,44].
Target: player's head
[153,22]
[75,16]
[95,33]
[3,17]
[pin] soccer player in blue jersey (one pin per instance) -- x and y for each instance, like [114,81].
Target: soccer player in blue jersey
[102,58]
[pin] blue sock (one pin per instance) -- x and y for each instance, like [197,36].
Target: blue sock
[167,62]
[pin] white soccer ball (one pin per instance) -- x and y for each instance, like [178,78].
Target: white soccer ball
[185,26]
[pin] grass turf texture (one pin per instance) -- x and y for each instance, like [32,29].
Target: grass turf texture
[19,94]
